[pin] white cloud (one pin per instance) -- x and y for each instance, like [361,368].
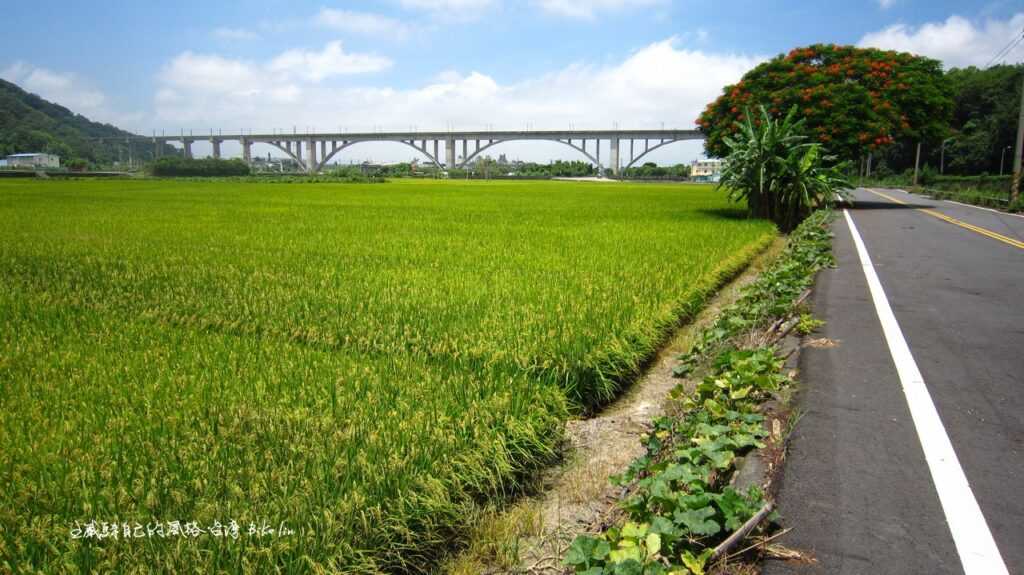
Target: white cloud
[448,5]
[451,11]
[660,84]
[235,34]
[362,23]
[331,61]
[587,9]
[213,74]
[14,72]
[65,89]
[192,83]
[957,41]
[886,4]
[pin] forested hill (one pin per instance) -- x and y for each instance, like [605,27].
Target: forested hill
[29,123]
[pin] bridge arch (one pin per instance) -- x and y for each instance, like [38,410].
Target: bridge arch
[492,143]
[651,149]
[291,155]
[348,144]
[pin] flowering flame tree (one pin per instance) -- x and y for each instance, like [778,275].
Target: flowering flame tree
[852,100]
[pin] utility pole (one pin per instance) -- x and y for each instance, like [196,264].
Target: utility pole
[1015,188]
[942,155]
[917,161]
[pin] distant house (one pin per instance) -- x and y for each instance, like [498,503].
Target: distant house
[35,160]
[706,170]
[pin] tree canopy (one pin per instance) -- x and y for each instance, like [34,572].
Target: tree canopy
[982,126]
[202,167]
[653,170]
[986,106]
[853,100]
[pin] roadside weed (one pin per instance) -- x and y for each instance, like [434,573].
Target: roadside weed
[808,324]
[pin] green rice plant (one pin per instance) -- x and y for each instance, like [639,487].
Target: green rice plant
[362,365]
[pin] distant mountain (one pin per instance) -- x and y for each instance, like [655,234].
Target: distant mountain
[29,123]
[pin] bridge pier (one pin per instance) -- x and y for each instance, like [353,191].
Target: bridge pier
[246,151]
[614,159]
[310,157]
[449,153]
[186,144]
[216,148]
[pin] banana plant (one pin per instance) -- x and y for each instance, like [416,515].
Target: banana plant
[780,173]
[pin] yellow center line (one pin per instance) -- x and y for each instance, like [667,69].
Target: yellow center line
[954,221]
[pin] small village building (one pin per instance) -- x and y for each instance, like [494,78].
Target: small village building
[706,170]
[33,160]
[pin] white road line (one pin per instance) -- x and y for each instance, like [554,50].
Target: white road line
[1002,213]
[984,208]
[974,543]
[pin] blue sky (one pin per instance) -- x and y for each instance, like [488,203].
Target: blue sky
[430,64]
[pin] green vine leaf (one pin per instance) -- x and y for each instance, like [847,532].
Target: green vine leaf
[696,563]
[698,521]
[585,551]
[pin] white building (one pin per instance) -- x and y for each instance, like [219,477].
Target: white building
[33,161]
[706,170]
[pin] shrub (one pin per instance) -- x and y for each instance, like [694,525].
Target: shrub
[926,175]
[781,175]
[204,167]
[76,164]
[1017,205]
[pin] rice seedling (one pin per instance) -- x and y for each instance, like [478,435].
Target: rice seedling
[355,367]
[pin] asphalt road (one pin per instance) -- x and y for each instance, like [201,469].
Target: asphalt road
[857,489]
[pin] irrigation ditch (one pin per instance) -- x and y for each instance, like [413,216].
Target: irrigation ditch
[678,475]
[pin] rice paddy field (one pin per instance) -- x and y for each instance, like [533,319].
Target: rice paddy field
[354,367]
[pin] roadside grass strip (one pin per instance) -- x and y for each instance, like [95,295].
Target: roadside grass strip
[345,372]
[681,504]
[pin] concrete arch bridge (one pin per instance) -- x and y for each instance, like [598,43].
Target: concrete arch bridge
[313,151]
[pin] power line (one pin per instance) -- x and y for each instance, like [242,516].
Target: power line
[1006,49]
[1003,50]
[1012,48]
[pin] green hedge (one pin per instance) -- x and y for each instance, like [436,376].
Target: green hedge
[205,167]
[983,190]
[993,185]
[984,182]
